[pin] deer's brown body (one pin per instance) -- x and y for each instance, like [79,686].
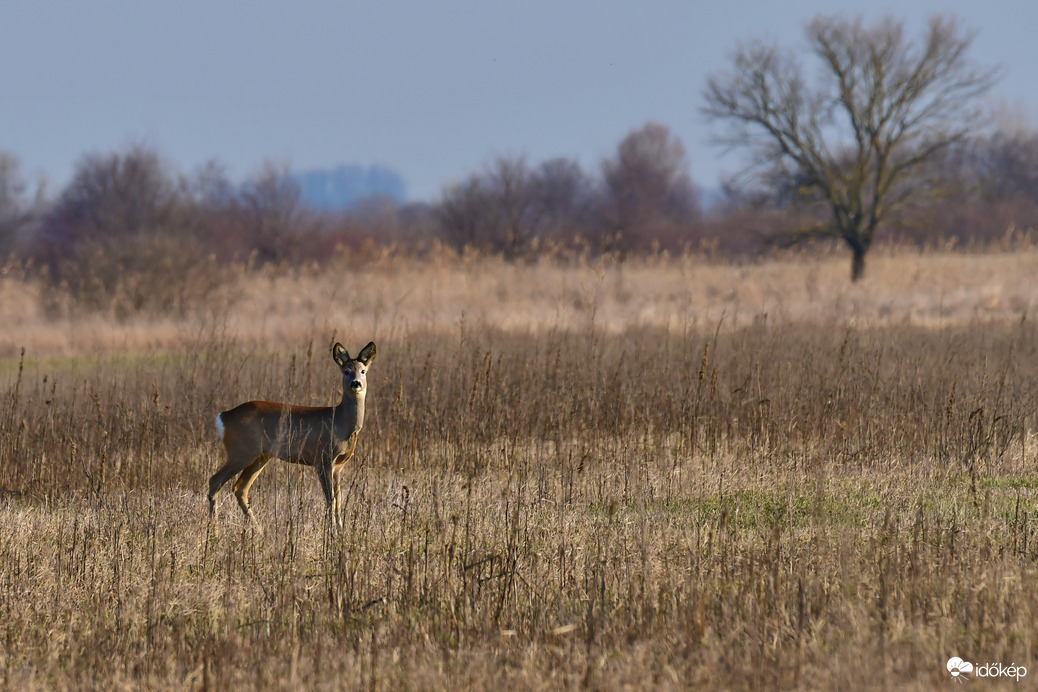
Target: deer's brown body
[324,437]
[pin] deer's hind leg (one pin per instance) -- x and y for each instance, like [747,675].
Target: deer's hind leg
[244,482]
[234,465]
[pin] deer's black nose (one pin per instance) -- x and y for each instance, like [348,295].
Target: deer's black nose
[356,385]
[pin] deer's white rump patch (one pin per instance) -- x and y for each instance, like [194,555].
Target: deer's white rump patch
[219,426]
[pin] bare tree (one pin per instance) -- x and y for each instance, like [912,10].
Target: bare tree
[649,193]
[272,201]
[111,196]
[853,141]
[122,237]
[565,198]
[1010,165]
[495,210]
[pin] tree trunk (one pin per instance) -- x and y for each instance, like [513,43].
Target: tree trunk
[857,264]
[858,250]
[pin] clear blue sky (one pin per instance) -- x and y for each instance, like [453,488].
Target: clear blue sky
[431,89]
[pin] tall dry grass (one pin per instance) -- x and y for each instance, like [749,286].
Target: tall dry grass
[714,498]
[394,297]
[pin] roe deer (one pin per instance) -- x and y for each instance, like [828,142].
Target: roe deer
[320,436]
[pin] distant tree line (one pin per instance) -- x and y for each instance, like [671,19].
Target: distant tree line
[130,234]
[127,209]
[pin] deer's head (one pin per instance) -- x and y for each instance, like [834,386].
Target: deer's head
[354,370]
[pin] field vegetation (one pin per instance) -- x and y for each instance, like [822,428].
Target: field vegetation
[659,473]
[622,432]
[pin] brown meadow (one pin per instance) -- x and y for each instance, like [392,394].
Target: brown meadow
[663,473]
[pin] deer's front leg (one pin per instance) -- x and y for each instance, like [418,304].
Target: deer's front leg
[324,473]
[337,494]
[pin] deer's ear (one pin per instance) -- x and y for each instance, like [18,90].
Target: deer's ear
[340,355]
[367,354]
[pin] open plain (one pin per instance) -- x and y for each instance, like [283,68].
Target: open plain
[660,473]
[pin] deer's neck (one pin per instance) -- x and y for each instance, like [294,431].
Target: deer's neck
[349,414]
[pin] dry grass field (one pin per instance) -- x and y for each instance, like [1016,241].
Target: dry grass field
[652,475]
